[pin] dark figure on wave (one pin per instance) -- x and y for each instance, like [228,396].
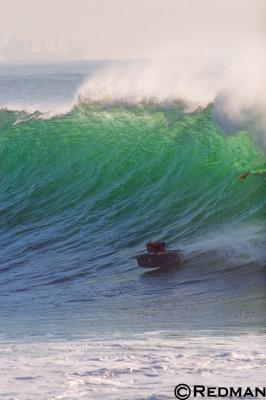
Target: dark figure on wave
[261,172]
[158,257]
[155,247]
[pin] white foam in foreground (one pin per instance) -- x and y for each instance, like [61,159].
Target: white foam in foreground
[137,367]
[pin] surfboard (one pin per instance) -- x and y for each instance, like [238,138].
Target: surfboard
[159,260]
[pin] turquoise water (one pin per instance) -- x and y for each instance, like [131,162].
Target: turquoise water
[81,193]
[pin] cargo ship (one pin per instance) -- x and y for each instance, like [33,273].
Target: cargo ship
[19,51]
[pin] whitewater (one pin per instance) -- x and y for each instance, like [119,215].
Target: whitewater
[95,160]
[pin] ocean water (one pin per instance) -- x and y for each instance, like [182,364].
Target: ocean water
[84,184]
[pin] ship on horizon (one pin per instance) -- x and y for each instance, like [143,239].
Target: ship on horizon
[19,51]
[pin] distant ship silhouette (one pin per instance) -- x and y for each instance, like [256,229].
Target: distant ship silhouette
[17,50]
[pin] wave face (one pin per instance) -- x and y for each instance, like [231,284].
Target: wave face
[82,192]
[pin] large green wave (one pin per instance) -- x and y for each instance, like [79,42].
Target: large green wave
[130,172]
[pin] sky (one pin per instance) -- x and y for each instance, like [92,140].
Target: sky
[122,29]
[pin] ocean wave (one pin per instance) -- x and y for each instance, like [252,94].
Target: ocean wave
[180,169]
[82,192]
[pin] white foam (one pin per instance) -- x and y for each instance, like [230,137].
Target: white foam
[238,245]
[198,80]
[146,366]
[233,81]
[42,111]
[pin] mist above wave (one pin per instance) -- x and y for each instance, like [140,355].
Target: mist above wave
[233,83]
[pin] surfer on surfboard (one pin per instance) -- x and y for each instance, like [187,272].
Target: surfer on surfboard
[158,257]
[256,173]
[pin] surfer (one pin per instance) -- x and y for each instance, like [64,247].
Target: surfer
[155,247]
[158,257]
[246,174]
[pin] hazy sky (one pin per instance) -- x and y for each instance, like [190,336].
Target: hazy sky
[135,28]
